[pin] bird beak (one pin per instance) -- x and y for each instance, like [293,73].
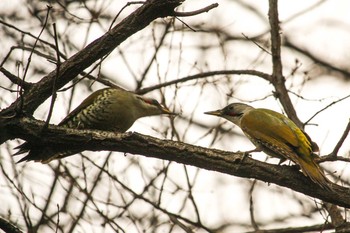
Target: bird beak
[214,113]
[165,110]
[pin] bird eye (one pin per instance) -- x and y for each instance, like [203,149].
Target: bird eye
[150,101]
[155,102]
[229,108]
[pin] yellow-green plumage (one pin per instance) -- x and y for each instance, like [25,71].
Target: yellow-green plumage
[277,136]
[109,109]
[269,126]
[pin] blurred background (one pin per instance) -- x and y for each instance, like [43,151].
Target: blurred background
[117,192]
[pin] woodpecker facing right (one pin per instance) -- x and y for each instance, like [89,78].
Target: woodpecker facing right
[108,109]
[277,136]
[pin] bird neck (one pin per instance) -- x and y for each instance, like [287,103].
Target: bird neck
[234,120]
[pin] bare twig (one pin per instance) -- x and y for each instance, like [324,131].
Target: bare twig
[54,89]
[58,218]
[196,12]
[191,197]
[330,158]
[157,48]
[205,75]
[28,34]
[176,221]
[191,28]
[89,195]
[328,65]
[251,207]
[333,156]
[192,13]
[322,109]
[257,44]
[14,79]
[341,140]
[142,197]
[121,10]
[30,58]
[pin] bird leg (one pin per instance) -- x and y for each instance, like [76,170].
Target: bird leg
[246,153]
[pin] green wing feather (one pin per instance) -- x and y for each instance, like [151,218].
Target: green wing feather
[82,106]
[282,137]
[272,127]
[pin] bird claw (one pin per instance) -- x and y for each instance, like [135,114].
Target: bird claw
[245,154]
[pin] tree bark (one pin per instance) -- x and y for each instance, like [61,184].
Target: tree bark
[210,159]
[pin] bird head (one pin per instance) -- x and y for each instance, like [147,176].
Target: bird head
[150,107]
[232,112]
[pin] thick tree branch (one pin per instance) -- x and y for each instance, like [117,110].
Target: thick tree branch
[8,227]
[139,19]
[210,159]
[313,228]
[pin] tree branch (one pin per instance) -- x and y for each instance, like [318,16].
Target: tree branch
[14,79]
[210,159]
[8,227]
[139,19]
[333,156]
[196,12]
[328,65]
[260,74]
[277,72]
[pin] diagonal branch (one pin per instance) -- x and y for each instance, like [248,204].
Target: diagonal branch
[139,19]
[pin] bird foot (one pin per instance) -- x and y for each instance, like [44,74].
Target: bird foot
[247,153]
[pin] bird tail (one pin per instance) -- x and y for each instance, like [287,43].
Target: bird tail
[23,148]
[311,169]
[42,154]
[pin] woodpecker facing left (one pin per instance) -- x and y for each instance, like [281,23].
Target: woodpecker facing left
[109,109]
[276,135]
